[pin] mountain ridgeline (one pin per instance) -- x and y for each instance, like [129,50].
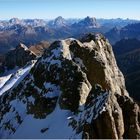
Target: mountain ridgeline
[131,31]
[32,31]
[21,55]
[75,90]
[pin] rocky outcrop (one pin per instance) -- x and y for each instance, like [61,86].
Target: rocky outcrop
[18,57]
[75,85]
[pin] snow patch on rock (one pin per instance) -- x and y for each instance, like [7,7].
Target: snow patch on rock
[53,90]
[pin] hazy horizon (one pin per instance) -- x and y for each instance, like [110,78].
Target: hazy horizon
[50,9]
[70,18]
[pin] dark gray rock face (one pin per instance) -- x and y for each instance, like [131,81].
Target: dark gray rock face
[127,53]
[75,90]
[18,57]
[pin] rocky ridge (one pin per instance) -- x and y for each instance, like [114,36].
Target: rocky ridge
[75,85]
[18,57]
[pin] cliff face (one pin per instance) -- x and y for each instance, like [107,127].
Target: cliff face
[18,57]
[75,90]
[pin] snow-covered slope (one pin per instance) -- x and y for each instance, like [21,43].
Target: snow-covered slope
[12,80]
[75,90]
[4,79]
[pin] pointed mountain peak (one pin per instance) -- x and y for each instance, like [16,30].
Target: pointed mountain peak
[14,21]
[23,47]
[59,18]
[59,22]
[88,22]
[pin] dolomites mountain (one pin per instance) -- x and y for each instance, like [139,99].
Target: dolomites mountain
[75,90]
[59,22]
[33,31]
[88,22]
[18,57]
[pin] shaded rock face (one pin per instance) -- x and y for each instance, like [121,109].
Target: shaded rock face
[75,86]
[18,57]
[1,62]
[127,52]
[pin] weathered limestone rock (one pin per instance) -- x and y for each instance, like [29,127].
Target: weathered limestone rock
[77,85]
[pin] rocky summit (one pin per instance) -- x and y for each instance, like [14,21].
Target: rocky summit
[18,57]
[75,90]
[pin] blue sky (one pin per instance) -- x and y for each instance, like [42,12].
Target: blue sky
[48,9]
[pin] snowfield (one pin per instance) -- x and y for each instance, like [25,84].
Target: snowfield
[46,128]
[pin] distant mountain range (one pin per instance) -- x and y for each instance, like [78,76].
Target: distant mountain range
[127,52]
[129,31]
[60,22]
[32,31]
[118,22]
